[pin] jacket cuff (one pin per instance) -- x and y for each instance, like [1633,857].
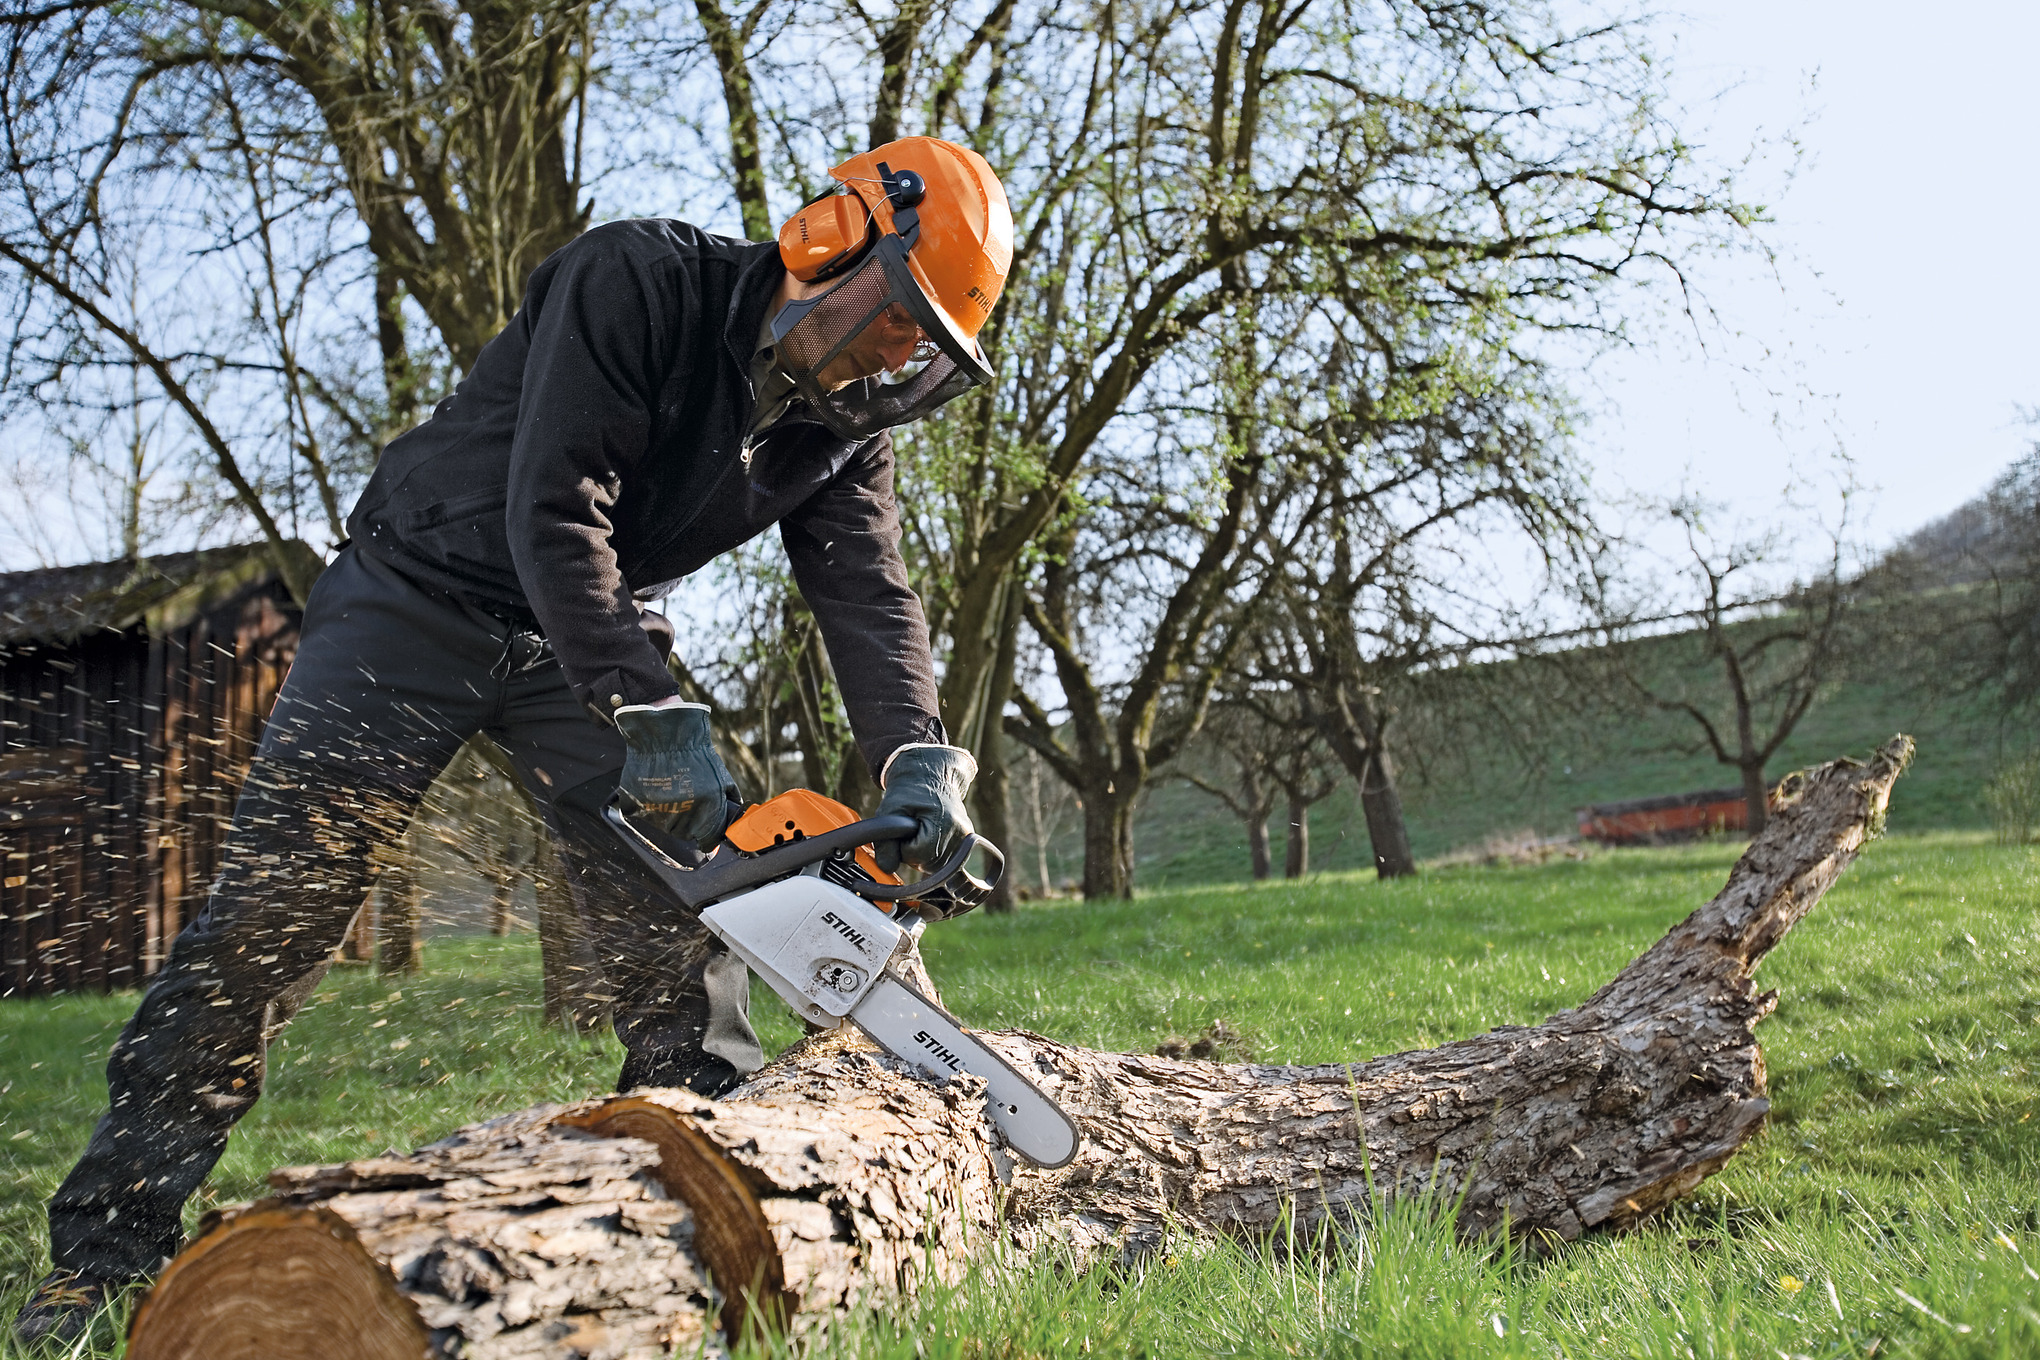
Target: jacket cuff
[615,689]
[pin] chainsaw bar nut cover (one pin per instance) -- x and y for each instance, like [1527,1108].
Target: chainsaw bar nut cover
[824,941]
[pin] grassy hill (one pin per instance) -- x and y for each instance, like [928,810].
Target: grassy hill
[1184,836]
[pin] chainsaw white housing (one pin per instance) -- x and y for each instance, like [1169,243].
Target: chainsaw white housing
[819,946]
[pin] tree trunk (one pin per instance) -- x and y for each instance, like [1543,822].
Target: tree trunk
[1296,862]
[502,896]
[726,44]
[1352,726]
[600,1229]
[1257,847]
[1040,827]
[575,995]
[1382,806]
[572,977]
[399,381]
[399,948]
[993,795]
[855,788]
[1756,797]
[359,944]
[1108,846]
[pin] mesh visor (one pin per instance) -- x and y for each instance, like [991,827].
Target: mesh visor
[812,333]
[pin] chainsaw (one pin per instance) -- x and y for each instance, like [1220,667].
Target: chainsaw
[796,892]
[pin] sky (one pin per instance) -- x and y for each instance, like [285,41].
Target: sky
[1901,328]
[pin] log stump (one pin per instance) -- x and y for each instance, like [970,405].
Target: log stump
[624,1227]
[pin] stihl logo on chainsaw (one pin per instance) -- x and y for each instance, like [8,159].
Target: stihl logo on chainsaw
[845,929]
[941,1050]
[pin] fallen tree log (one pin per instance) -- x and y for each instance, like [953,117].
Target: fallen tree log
[626,1226]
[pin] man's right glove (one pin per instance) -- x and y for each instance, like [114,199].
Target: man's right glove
[672,768]
[928,783]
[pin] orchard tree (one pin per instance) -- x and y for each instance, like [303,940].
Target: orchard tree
[1761,648]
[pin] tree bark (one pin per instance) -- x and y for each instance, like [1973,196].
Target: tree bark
[1108,845]
[992,797]
[575,994]
[1756,798]
[1296,860]
[399,949]
[359,944]
[400,385]
[572,978]
[502,897]
[993,794]
[1347,715]
[726,40]
[1257,847]
[1381,804]
[621,1227]
[896,44]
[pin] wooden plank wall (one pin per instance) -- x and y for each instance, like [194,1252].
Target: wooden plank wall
[120,755]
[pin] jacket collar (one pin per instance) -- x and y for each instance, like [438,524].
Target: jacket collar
[761,274]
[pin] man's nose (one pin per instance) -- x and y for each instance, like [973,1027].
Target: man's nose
[896,353]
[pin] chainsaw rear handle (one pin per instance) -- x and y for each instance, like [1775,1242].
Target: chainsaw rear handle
[695,885]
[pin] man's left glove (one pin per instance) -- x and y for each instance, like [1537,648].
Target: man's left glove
[928,783]
[672,768]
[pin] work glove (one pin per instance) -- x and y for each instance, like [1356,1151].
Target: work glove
[672,768]
[928,783]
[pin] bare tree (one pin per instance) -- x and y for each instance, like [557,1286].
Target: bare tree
[1760,654]
[1116,736]
[1305,783]
[1250,798]
[1280,763]
[747,645]
[1188,195]
[321,166]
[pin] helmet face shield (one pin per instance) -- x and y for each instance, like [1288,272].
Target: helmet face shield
[863,320]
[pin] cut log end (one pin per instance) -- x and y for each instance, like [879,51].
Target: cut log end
[731,1233]
[259,1285]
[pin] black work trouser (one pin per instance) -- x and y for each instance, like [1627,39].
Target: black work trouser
[388,682]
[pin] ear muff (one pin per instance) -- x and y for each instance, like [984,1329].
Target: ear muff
[825,238]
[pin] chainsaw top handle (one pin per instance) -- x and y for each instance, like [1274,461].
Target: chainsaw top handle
[949,889]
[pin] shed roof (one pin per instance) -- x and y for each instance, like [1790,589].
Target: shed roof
[62,604]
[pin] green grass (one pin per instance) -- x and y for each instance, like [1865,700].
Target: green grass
[1902,1158]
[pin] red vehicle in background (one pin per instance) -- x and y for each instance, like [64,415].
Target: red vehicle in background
[1670,817]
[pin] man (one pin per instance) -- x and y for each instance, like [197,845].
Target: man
[662,396]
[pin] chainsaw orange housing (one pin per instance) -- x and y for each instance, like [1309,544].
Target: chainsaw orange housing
[796,815]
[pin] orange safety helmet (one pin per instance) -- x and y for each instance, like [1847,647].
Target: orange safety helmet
[923,224]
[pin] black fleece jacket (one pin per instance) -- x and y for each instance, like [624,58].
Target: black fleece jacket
[595,456]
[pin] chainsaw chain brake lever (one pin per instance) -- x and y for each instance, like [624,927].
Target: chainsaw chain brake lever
[950,889]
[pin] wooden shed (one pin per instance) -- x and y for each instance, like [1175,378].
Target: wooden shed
[132,695]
